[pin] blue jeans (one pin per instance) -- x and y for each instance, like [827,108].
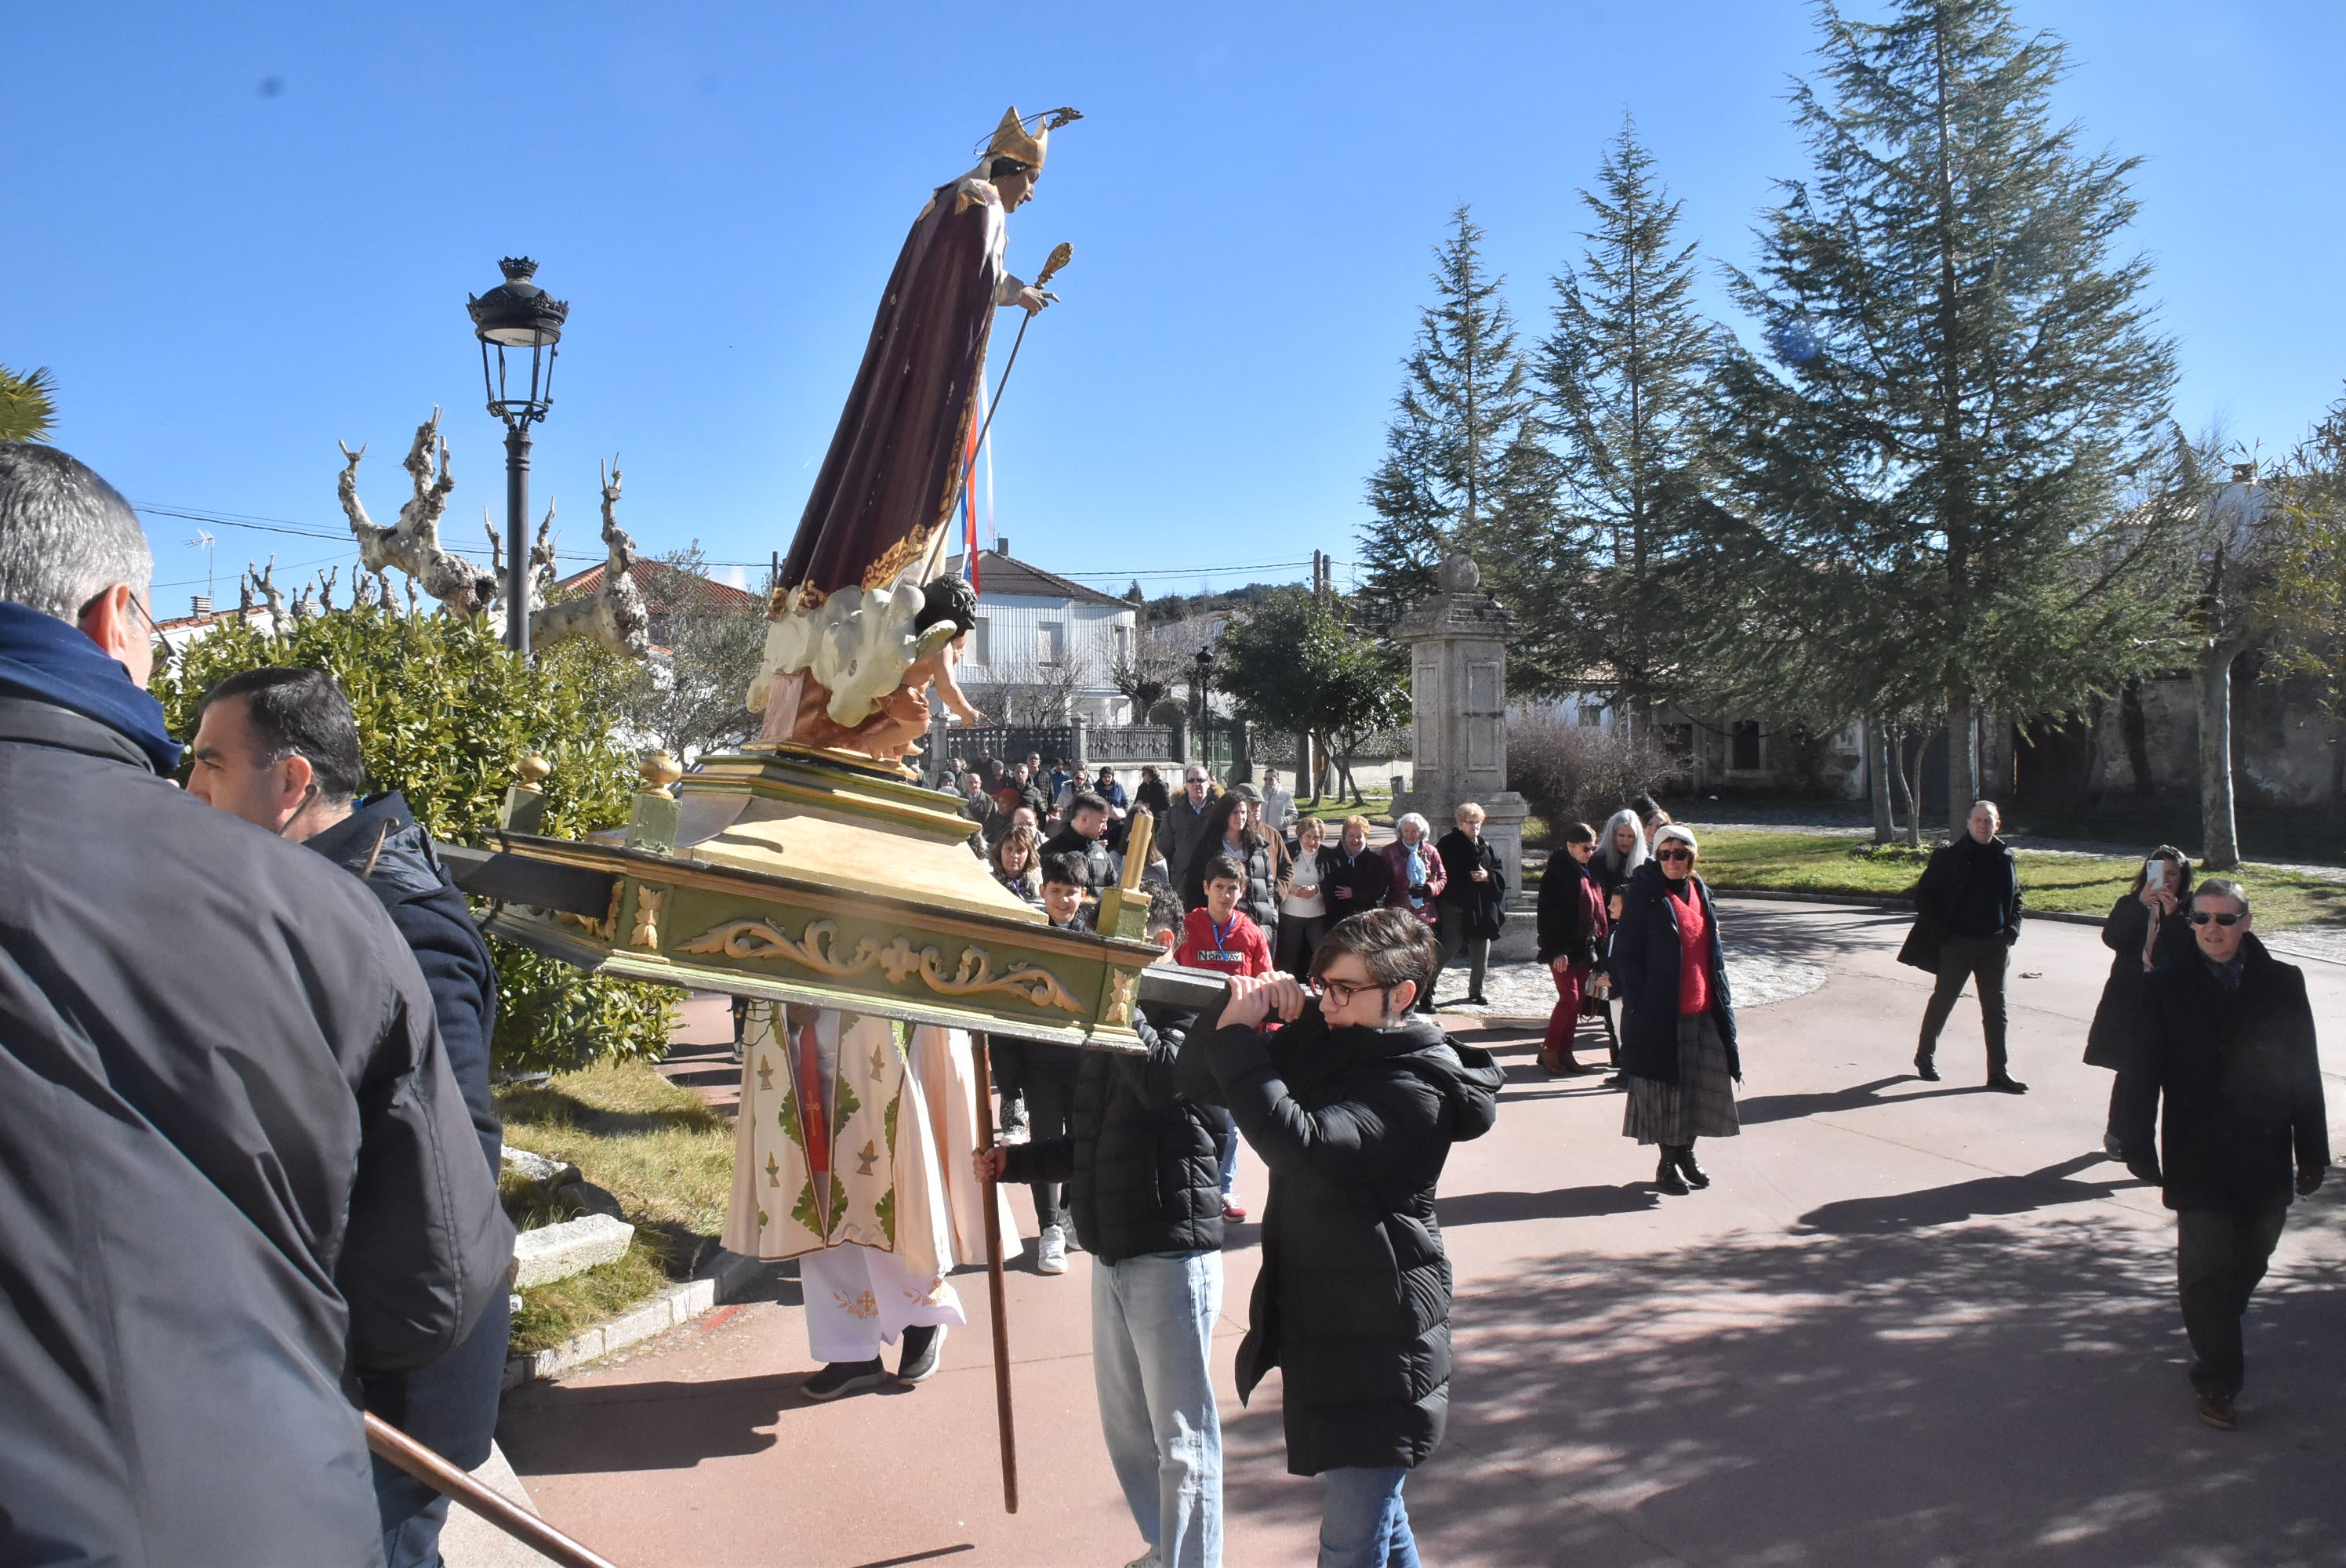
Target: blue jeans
[1152,1348]
[1229,1141]
[1363,1523]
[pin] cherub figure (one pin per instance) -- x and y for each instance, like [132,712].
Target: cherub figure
[941,636]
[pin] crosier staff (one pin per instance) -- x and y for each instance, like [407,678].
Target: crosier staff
[1061,254]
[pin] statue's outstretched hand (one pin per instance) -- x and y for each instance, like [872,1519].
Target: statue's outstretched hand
[1035,300]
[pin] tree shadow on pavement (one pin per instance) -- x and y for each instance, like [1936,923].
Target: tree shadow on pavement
[1563,1203]
[1789,930]
[1987,1392]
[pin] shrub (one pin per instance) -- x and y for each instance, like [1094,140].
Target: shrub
[1571,772]
[443,713]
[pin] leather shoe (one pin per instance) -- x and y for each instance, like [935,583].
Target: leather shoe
[1924,1070]
[1668,1178]
[1696,1176]
[2005,1084]
[2216,1409]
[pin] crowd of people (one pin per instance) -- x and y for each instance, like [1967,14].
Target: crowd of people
[225,1232]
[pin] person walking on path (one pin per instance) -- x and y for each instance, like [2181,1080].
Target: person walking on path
[1966,920]
[1303,896]
[1044,1075]
[237,1175]
[1678,1020]
[2149,929]
[280,748]
[1354,1107]
[1574,928]
[1474,902]
[1278,804]
[1140,1166]
[2228,1067]
[1231,828]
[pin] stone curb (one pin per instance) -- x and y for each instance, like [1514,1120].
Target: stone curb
[723,1279]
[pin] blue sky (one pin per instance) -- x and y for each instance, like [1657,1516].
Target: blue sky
[240,234]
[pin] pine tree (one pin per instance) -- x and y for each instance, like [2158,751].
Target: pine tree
[1465,468]
[1624,377]
[1967,373]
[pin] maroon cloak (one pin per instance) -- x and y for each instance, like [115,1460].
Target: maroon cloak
[892,474]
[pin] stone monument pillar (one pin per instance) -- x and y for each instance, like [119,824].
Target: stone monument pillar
[1457,642]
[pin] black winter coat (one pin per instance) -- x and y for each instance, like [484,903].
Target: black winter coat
[1353,1302]
[1644,965]
[1480,906]
[1143,1164]
[2240,1079]
[450,1406]
[1940,893]
[235,1173]
[1571,926]
[1366,877]
[1096,862]
[2118,1025]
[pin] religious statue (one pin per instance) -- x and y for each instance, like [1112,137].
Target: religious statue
[845,640]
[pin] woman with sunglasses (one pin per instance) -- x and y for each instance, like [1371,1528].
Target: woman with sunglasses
[2147,930]
[1677,1021]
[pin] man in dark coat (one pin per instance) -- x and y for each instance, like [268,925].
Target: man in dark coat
[1144,1182]
[235,1168]
[1966,919]
[1084,841]
[1353,1106]
[280,748]
[2229,1048]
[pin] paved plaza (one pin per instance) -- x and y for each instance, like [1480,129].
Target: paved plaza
[1912,1324]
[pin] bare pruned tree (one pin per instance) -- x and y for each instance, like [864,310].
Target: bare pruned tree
[413,544]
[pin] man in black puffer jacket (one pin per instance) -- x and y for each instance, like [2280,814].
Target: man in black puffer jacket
[1145,1184]
[280,748]
[1353,1106]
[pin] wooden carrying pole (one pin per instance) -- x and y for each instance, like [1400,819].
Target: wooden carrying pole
[396,1447]
[1002,1415]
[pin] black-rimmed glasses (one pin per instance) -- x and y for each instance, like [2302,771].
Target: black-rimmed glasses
[1340,992]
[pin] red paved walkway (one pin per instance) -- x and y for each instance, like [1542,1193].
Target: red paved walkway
[1912,1324]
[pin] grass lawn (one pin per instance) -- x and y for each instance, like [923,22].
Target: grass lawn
[1813,864]
[653,1146]
[1333,810]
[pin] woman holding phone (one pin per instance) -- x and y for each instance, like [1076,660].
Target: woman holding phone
[2146,931]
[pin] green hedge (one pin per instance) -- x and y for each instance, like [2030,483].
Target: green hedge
[443,713]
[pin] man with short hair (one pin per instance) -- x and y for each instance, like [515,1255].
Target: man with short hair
[1139,1162]
[2228,1051]
[1966,920]
[1185,822]
[1083,840]
[235,1169]
[1278,804]
[280,748]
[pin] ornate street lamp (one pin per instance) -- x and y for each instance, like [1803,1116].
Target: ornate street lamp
[514,316]
[1197,685]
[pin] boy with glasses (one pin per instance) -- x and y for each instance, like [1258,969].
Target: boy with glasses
[1353,1106]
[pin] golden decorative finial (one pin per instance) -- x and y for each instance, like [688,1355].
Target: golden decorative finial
[1061,254]
[658,771]
[532,771]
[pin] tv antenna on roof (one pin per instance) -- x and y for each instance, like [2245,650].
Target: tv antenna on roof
[203,541]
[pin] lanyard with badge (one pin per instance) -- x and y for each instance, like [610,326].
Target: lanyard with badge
[1222,929]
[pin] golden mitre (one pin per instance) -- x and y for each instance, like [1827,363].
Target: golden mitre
[1012,139]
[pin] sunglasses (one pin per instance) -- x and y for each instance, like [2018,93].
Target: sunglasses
[2201,917]
[1340,992]
[1674,854]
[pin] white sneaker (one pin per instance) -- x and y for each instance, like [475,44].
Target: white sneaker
[1051,1251]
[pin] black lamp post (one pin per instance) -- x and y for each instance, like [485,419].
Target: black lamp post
[1199,683]
[516,315]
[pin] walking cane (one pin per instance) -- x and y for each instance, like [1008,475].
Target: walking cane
[396,1448]
[1002,1415]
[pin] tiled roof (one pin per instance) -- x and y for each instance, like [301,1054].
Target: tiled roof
[659,582]
[998,574]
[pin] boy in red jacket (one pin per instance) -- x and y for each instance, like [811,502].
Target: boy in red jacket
[1221,936]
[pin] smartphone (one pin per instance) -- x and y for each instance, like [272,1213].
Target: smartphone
[2154,872]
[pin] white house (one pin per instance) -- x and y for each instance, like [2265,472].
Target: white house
[1054,640]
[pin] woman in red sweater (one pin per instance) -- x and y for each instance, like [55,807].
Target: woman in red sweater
[1678,1023]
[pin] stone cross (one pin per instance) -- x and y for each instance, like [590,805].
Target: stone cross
[1458,699]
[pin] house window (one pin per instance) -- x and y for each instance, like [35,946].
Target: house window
[1743,751]
[1053,646]
[982,643]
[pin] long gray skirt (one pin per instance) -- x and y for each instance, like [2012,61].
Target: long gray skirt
[1700,1104]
